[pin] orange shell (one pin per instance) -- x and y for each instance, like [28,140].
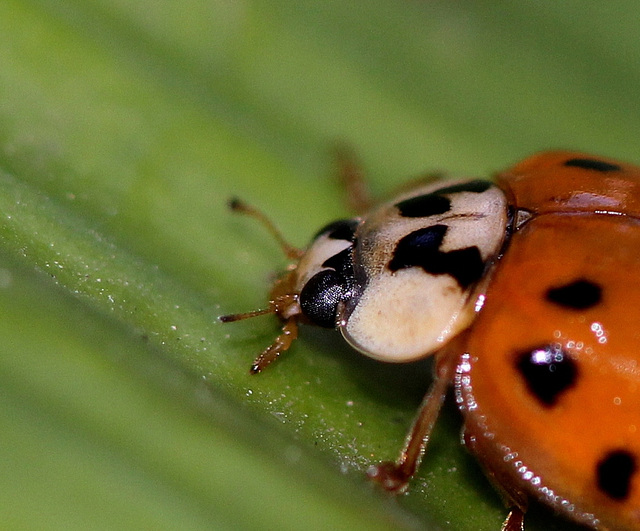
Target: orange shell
[544,183]
[514,435]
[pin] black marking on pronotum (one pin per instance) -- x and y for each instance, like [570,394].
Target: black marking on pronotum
[476,186]
[593,164]
[342,262]
[436,203]
[424,206]
[614,473]
[548,372]
[577,295]
[343,229]
[421,248]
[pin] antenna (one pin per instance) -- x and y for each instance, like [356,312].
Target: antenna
[291,252]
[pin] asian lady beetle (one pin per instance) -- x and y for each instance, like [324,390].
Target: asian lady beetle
[527,293]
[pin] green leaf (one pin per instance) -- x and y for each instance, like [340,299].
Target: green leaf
[124,128]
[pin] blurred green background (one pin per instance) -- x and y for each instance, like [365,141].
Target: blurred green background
[124,128]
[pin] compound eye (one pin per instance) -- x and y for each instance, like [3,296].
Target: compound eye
[320,296]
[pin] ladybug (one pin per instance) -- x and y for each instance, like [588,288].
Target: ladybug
[526,291]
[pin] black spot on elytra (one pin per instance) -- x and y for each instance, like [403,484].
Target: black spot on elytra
[343,229]
[577,295]
[548,372]
[614,473]
[421,248]
[436,203]
[592,164]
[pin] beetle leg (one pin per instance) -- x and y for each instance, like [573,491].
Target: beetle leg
[394,476]
[514,521]
[279,345]
[353,180]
